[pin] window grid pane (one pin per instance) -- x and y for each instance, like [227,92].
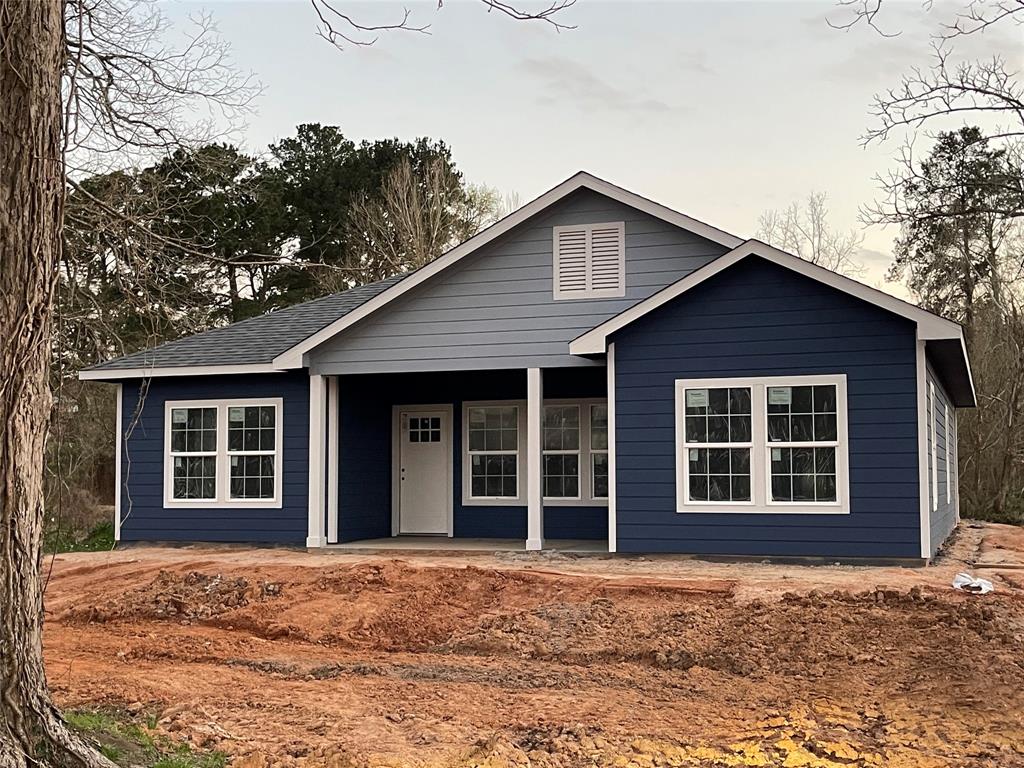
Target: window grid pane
[424,429]
[252,477]
[719,474]
[599,474]
[599,427]
[194,430]
[195,477]
[493,447]
[717,415]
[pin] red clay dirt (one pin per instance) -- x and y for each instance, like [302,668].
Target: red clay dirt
[283,658]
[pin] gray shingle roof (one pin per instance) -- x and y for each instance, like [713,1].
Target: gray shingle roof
[256,340]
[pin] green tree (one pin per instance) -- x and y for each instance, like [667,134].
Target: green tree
[953,226]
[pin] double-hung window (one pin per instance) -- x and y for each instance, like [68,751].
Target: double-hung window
[223,453]
[574,453]
[252,448]
[193,453]
[562,451]
[803,438]
[765,444]
[493,450]
[717,426]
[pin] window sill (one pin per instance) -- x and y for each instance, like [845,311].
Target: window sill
[751,509]
[214,504]
[497,501]
[575,502]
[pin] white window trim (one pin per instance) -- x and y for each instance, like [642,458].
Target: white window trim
[592,452]
[685,488]
[589,293]
[586,497]
[585,500]
[945,422]
[760,466]
[468,499]
[222,498]
[579,453]
[935,446]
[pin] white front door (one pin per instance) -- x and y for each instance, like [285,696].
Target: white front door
[423,467]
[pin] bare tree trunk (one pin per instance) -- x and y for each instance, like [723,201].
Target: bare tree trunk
[31,195]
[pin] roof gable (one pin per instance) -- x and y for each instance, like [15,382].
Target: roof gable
[930,327]
[294,357]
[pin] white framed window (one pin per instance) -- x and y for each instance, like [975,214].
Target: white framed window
[561,452]
[933,433]
[764,444]
[575,472]
[223,453]
[949,475]
[599,450]
[717,442]
[590,261]
[803,440]
[491,434]
[192,452]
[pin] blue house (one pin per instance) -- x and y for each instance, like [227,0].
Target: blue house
[595,366]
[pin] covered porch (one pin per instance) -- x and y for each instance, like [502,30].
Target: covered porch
[467,460]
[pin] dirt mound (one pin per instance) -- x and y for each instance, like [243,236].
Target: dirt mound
[382,662]
[189,596]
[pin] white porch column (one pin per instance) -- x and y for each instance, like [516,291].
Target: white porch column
[613,541]
[534,432]
[317,430]
[333,456]
[119,434]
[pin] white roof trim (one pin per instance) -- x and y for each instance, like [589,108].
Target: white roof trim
[293,357]
[929,326]
[115,374]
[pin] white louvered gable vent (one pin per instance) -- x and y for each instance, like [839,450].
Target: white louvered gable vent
[590,261]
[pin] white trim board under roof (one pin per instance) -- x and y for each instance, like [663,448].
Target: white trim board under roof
[930,327]
[293,358]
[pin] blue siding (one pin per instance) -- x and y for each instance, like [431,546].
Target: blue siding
[942,513]
[364,506]
[759,319]
[144,517]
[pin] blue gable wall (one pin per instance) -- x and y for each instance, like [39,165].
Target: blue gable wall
[364,505]
[144,517]
[759,319]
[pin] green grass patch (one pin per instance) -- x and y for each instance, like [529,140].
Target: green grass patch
[127,742]
[98,539]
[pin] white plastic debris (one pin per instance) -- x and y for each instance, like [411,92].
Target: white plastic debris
[967,583]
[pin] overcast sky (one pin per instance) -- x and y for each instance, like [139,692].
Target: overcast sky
[718,109]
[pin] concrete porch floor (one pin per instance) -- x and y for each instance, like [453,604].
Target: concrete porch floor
[447,544]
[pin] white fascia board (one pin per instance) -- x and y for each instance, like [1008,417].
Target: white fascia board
[293,358]
[929,326]
[115,374]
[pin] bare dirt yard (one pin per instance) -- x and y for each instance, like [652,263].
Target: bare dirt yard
[281,658]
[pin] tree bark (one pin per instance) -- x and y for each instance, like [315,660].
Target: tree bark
[32,732]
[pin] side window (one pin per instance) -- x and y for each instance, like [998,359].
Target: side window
[493,449]
[193,453]
[718,442]
[763,444]
[802,437]
[223,453]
